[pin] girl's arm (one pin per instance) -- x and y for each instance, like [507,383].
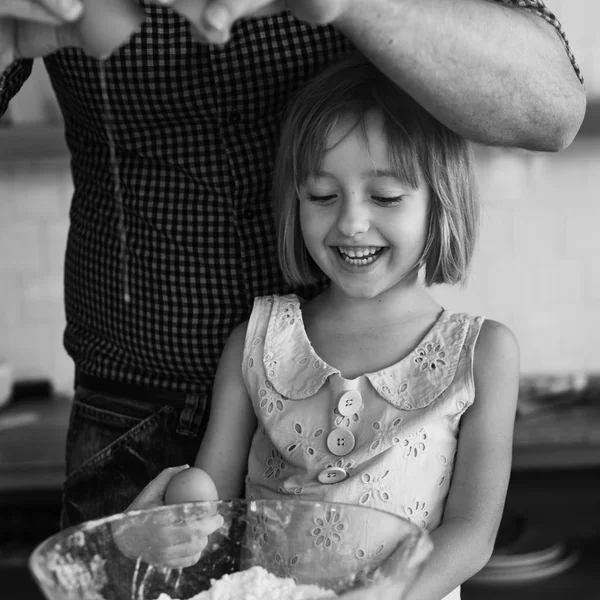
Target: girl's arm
[464,541]
[224,449]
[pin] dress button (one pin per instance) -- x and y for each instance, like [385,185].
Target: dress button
[340,441]
[349,403]
[332,475]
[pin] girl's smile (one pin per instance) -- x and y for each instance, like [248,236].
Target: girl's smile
[360,256]
[362,223]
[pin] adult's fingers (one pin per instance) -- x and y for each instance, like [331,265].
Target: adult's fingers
[319,12]
[220,15]
[52,12]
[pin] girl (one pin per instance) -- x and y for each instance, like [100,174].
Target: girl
[371,392]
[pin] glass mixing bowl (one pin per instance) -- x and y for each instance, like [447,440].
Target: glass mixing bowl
[335,546]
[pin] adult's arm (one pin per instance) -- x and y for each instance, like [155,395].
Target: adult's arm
[497,74]
[11,80]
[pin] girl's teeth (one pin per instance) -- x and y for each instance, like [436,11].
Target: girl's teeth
[360,256]
[358,252]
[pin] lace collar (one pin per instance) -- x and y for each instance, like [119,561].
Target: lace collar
[296,371]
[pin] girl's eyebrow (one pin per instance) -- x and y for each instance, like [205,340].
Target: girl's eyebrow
[322,174]
[373,173]
[380,173]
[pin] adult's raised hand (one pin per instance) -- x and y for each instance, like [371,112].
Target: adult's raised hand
[213,19]
[32,28]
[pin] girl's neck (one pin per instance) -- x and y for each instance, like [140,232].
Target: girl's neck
[357,335]
[363,315]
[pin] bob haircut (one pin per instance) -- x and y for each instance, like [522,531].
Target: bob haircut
[419,145]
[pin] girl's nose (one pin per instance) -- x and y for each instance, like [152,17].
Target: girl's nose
[353,217]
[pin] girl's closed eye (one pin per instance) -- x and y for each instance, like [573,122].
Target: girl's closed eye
[320,198]
[390,200]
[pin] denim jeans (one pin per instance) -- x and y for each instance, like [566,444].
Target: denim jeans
[117,444]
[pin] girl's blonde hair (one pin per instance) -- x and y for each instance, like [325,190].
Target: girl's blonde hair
[419,144]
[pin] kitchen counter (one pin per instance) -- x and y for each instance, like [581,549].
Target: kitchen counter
[33,432]
[32,441]
[565,437]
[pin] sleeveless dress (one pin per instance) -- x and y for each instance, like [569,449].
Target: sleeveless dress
[385,440]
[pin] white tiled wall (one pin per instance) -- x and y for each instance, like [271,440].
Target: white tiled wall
[34,204]
[537,266]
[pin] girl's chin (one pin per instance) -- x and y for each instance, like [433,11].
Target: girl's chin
[357,292]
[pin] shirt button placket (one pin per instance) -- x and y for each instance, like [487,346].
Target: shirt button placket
[349,403]
[341,441]
[332,475]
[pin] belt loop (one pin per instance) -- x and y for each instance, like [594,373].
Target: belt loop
[190,418]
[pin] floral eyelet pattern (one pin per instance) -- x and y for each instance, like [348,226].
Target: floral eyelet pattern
[430,357]
[305,441]
[448,469]
[374,487]
[371,555]
[275,466]
[286,567]
[388,435]
[260,529]
[417,513]
[269,400]
[328,529]
[415,444]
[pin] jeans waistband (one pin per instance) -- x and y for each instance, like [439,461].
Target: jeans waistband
[192,406]
[129,390]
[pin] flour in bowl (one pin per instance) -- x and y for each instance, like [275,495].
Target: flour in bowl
[257,583]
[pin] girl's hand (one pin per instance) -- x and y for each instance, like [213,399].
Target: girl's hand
[174,538]
[213,19]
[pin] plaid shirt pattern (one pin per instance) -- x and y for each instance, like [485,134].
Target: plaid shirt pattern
[195,129]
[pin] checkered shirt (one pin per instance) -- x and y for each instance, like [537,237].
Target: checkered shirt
[195,129]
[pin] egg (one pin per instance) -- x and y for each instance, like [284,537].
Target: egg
[191,485]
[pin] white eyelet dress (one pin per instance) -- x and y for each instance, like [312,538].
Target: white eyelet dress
[385,440]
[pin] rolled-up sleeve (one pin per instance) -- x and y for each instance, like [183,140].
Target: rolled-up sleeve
[539,8]
[11,80]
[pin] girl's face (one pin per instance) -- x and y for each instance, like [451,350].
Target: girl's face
[363,227]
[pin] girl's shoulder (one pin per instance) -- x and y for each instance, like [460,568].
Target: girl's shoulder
[495,340]
[267,309]
[496,357]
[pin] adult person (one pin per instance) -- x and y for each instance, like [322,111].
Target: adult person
[172,143]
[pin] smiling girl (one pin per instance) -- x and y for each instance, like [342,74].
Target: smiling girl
[371,393]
